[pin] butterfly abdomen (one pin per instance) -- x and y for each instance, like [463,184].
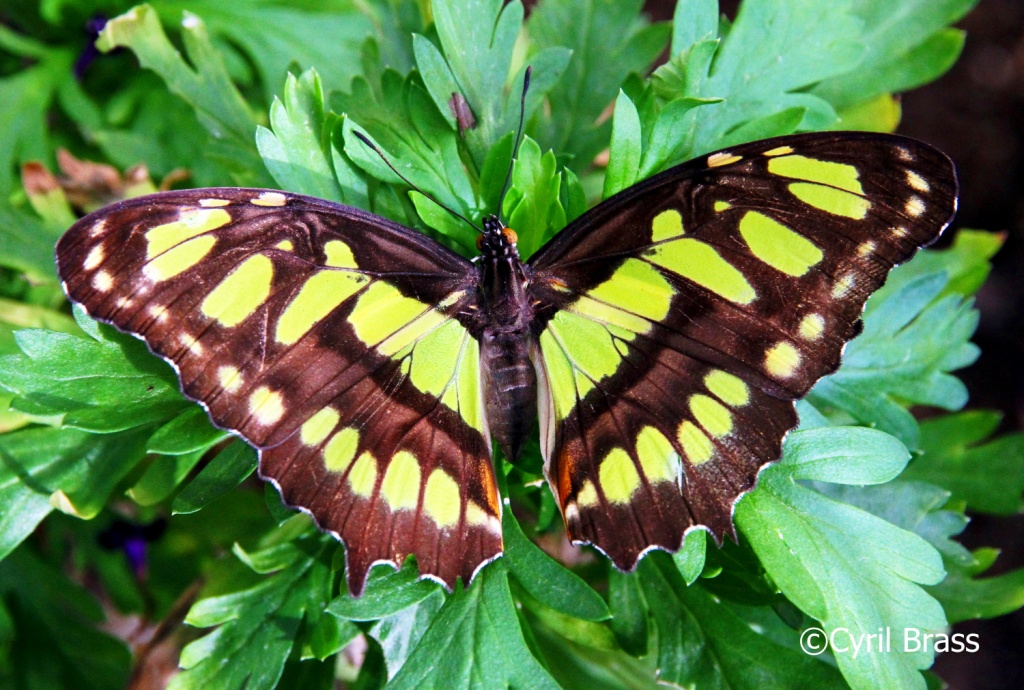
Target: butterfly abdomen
[510,385]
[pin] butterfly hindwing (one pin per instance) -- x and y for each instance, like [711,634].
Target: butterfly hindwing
[680,318]
[325,336]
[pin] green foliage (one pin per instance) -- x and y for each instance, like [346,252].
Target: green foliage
[843,532]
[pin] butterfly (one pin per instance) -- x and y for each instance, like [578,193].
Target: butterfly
[661,339]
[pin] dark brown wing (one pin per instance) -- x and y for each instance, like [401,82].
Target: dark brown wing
[326,337]
[680,318]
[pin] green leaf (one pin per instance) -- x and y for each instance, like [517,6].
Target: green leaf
[474,641]
[186,433]
[258,627]
[690,559]
[26,244]
[693,21]
[988,475]
[225,471]
[163,476]
[400,633]
[206,87]
[325,35]
[609,41]
[91,381]
[629,620]
[762,73]
[912,338]
[387,592]
[53,614]
[399,117]
[34,463]
[906,44]
[837,563]
[532,205]
[298,150]
[548,581]
[625,150]
[701,642]
[965,598]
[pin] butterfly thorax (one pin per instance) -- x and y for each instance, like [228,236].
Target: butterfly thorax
[510,382]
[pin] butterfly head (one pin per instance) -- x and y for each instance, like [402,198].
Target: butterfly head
[497,240]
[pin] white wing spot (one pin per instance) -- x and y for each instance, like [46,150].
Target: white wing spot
[270,199]
[914,207]
[191,344]
[904,154]
[97,229]
[867,248]
[917,182]
[158,312]
[230,378]
[213,203]
[94,258]
[102,281]
[843,285]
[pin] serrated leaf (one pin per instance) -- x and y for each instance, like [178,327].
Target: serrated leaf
[258,628]
[187,433]
[226,471]
[387,592]
[90,380]
[326,35]
[474,641]
[609,41]
[690,558]
[905,45]
[957,454]
[701,642]
[532,204]
[839,564]
[296,148]
[912,338]
[207,87]
[399,633]
[548,581]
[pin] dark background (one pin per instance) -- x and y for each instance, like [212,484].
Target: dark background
[975,113]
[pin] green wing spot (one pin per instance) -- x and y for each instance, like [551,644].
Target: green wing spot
[729,389]
[834,201]
[179,259]
[339,255]
[465,395]
[618,476]
[321,294]
[241,292]
[363,475]
[716,419]
[590,351]
[341,450]
[319,426]
[658,458]
[401,485]
[841,175]
[699,262]
[190,223]
[696,445]
[436,357]
[442,501]
[636,289]
[778,246]
[666,225]
[383,310]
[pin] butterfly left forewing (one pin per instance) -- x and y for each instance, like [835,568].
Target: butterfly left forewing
[326,337]
[700,303]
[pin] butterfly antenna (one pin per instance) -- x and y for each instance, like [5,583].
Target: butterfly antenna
[405,179]
[519,136]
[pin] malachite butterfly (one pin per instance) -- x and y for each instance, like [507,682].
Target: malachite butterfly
[661,338]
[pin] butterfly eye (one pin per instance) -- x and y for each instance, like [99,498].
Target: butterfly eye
[510,235]
[479,242]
